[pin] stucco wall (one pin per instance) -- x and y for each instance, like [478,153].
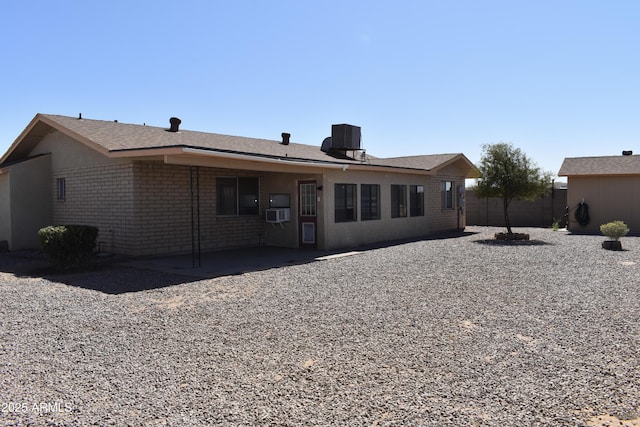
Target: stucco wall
[67,153]
[608,198]
[30,201]
[5,207]
[25,202]
[286,234]
[354,233]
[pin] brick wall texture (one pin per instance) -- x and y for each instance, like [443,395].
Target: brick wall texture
[443,219]
[145,208]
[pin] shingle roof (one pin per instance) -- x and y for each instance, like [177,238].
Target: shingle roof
[116,137]
[604,165]
[429,161]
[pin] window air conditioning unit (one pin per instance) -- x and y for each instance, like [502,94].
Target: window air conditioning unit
[278,215]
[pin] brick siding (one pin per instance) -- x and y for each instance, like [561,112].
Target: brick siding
[144,208]
[443,219]
[99,196]
[163,211]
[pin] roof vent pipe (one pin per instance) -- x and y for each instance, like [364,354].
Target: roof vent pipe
[627,153]
[285,138]
[175,123]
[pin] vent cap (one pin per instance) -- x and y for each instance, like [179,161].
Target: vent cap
[175,124]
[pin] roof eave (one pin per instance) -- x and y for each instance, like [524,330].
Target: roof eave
[370,167]
[186,155]
[20,138]
[472,170]
[589,175]
[43,119]
[144,152]
[74,135]
[264,159]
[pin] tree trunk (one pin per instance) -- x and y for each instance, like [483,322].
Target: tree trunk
[507,222]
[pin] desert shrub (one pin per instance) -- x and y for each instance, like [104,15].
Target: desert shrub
[68,245]
[614,230]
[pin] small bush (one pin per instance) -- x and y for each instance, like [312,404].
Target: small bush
[614,230]
[68,245]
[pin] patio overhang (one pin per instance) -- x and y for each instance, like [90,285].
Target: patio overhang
[232,160]
[219,159]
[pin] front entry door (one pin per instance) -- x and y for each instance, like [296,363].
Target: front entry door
[307,219]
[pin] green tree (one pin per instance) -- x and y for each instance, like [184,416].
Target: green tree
[506,172]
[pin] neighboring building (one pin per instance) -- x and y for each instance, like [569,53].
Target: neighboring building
[154,191]
[541,212]
[608,185]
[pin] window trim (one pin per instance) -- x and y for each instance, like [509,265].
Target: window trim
[365,206]
[399,211]
[347,206]
[446,196]
[416,196]
[307,203]
[61,189]
[237,194]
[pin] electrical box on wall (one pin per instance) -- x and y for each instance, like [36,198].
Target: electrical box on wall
[277,215]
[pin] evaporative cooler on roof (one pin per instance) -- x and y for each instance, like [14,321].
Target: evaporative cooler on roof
[345,137]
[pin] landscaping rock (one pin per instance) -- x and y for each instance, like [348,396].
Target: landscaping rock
[442,332]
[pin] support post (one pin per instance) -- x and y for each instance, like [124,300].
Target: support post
[194,187]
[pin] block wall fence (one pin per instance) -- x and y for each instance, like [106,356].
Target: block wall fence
[538,213]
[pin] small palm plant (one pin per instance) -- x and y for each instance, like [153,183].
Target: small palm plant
[614,230]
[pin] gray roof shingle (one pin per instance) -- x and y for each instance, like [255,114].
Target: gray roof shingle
[604,165]
[116,137]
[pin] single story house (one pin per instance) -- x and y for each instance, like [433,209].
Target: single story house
[153,190]
[608,185]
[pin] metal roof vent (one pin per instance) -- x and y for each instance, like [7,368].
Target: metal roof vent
[627,152]
[175,124]
[326,145]
[285,138]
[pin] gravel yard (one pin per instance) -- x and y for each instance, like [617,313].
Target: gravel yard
[461,331]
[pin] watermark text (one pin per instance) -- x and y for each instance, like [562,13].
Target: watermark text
[51,407]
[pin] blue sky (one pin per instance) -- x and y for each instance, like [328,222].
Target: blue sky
[556,78]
